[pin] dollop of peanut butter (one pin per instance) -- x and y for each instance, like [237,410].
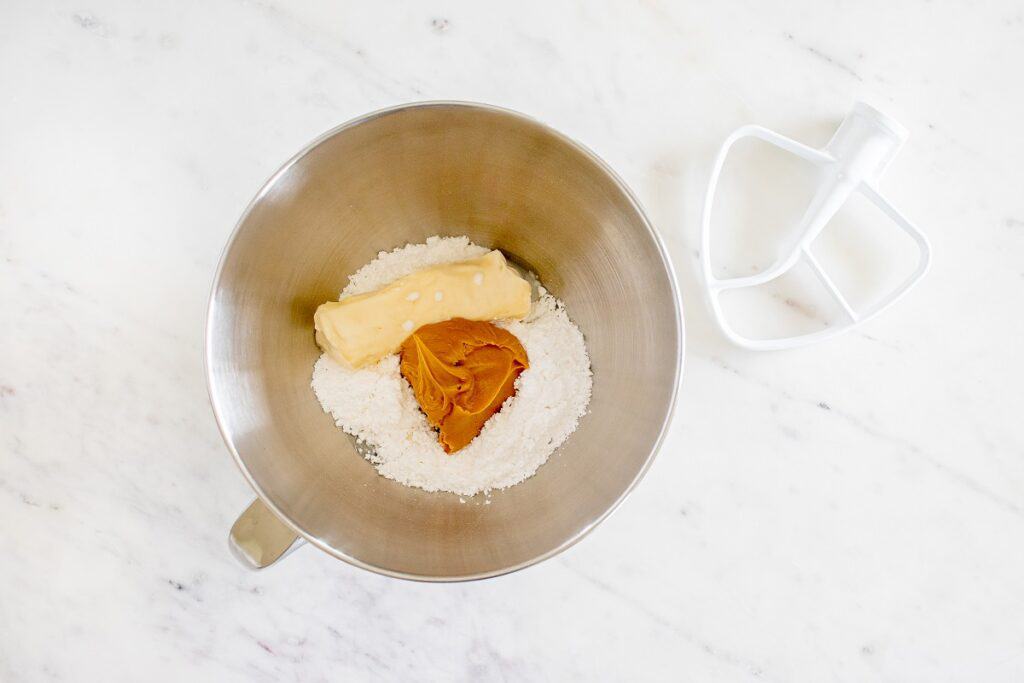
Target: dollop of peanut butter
[461,372]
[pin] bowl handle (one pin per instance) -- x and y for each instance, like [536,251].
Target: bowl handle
[258,538]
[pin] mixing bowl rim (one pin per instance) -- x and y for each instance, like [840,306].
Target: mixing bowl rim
[677,310]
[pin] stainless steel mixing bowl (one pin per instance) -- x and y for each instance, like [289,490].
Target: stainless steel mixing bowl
[385,180]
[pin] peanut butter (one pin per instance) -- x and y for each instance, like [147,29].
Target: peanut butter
[461,372]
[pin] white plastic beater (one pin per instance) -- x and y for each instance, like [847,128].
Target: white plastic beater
[853,161]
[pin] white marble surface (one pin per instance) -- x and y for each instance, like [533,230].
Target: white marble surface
[849,512]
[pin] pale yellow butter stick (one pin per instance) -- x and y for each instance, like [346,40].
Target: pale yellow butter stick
[362,329]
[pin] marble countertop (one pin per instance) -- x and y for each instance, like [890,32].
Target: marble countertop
[846,512]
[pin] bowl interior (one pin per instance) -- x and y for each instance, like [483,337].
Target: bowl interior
[401,176]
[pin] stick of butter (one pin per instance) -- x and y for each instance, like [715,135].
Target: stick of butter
[362,329]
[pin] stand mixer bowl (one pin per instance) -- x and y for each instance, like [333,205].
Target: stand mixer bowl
[399,176]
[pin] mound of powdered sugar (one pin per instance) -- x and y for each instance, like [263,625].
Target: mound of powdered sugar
[377,406]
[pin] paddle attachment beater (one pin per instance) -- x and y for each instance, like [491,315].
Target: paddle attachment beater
[853,161]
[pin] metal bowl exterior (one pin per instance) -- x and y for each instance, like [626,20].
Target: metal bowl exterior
[399,176]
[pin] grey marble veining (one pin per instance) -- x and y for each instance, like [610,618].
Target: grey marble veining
[847,512]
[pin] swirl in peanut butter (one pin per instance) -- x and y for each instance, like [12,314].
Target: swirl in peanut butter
[461,371]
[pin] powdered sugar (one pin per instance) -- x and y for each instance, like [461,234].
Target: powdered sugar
[377,406]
